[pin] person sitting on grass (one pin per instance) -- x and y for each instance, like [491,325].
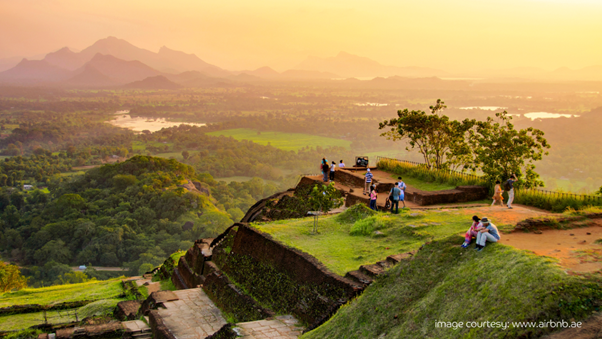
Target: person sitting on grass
[488,232]
[472,231]
[373,196]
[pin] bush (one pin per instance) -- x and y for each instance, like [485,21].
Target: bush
[557,201]
[370,224]
[420,171]
[355,213]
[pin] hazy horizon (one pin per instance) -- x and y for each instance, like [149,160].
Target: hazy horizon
[235,35]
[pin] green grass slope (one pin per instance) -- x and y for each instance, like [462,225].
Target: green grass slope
[93,290]
[444,282]
[346,241]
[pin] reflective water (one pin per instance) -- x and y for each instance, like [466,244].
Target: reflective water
[140,124]
[546,115]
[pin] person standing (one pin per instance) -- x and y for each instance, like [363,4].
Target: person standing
[341,164]
[325,170]
[395,195]
[367,180]
[402,186]
[497,195]
[332,168]
[510,189]
[373,197]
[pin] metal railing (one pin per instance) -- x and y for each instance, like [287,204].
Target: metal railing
[422,167]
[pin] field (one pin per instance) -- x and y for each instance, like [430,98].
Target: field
[342,252]
[93,290]
[285,141]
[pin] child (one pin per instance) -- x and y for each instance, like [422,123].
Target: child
[332,168]
[341,164]
[497,195]
[373,196]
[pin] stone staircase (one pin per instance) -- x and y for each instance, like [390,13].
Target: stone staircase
[282,327]
[136,329]
[366,273]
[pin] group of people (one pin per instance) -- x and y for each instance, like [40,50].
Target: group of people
[483,231]
[509,186]
[328,170]
[396,194]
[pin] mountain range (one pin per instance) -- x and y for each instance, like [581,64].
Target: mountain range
[113,62]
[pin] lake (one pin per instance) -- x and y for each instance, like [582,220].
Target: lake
[140,124]
[546,115]
[485,108]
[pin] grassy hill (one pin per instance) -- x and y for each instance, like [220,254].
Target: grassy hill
[100,299]
[445,283]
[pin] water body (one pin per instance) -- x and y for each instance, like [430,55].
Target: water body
[546,115]
[140,124]
[371,104]
[485,108]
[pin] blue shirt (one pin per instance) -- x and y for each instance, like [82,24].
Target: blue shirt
[369,176]
[493,231]
[511,183]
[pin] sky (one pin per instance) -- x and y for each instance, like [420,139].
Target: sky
[453,35]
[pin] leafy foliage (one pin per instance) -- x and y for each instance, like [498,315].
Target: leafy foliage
[11,278]
[500,150]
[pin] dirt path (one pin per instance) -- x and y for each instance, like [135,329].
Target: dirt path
[575,248]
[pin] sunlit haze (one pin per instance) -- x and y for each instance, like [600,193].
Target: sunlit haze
[234,34]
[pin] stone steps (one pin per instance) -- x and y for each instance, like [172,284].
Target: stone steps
[284,327]
[366,274]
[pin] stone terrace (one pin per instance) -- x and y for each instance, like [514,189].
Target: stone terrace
[193,316]
[282,327]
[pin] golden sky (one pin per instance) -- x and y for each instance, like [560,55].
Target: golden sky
[236,34]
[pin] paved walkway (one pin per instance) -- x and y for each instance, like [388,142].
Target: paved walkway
[193,316]
[281,327]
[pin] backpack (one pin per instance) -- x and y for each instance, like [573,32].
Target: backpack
[507,185]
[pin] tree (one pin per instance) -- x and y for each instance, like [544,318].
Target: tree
[185,154]
[11,278]
[441,141]
[324,198]
[500,150]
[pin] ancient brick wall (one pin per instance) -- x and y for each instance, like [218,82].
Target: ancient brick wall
[280,277]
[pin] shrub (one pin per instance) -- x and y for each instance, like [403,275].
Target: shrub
[422,172]
[370,224]
[355,213]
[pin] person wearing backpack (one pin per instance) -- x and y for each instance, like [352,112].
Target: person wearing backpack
[509,186]
[394,196]
[325,170]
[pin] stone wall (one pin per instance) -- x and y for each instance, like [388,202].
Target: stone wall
[280,277]
[232,300]
[459,194]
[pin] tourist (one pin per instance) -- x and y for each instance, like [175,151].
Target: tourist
[332,168]
[367,180]
[497,194]
[341,164]
[402,186]
[396,192]
[373,196]
[472,231]
[325,170]
[510,188]
[488,232]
